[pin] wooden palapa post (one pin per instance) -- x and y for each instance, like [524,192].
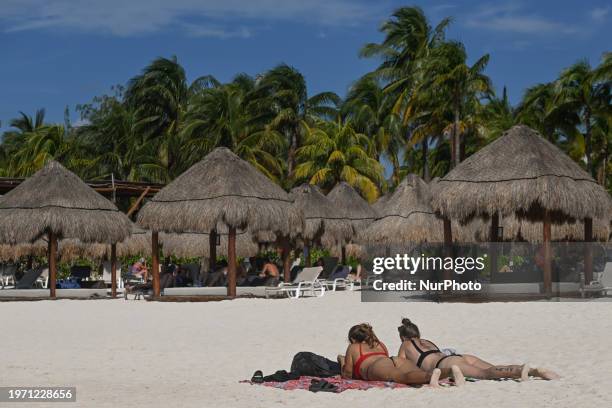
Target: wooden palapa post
[547,254]
[493,237]
[113,259]
[588,250]
[212,250]
[448,244]
[52,263]
[231,262]
[155,263]
[286,257]
[307,260]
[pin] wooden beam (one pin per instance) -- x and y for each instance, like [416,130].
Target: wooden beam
[138,201]
[52,263]
[286,256]
[493,238]
[113,259]
[231,262]
[212,250]
[155,263]
[448,244]
[588,250]
[546,227]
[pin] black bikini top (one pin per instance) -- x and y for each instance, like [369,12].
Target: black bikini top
[423,354]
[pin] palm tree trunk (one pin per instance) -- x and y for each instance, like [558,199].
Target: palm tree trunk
[587,140]
[425,148]
[456,139]
[293,145]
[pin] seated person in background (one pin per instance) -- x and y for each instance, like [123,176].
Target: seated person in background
[340,272]
[429,357]
[140,270]
[218,277]
[269,275]
[355,274]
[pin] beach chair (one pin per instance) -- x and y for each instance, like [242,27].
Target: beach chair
[307,280]
[339,279]
[7,274]
[43,279]
[603,285]
[106,275]
[29,278]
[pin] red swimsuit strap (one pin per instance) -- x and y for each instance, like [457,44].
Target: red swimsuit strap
[363,357]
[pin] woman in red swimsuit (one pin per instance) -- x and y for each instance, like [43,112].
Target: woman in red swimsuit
[367,359]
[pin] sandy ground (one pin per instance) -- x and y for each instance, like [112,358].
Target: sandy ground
[131,353]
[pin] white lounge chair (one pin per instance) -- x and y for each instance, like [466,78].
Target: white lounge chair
[307,280]
[106,274]
[7,274]
[43,279]
[603,285]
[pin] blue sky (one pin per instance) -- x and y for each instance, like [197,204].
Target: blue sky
[61,52]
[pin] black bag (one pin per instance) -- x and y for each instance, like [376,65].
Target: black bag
[310,364]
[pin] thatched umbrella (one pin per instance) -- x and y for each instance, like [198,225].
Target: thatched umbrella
[57,203]
[197,244]
[379,205]
[354,209]
[323,221]
[406,217]
[222,188]
[522,174]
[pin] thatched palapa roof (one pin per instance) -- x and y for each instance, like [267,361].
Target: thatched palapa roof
[407,217]
[520,173]
[323,221]
[379,205]
[222,188]
[195,245]
[55,199]
[353,207]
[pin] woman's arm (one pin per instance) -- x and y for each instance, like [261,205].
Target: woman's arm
[347,369]
[402,352]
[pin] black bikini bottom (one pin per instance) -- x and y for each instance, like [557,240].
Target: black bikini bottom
[440,360]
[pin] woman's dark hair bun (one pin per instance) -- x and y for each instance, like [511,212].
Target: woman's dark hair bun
[406,321]
[408,329]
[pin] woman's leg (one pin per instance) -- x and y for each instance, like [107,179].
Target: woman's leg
[383,369]
[476,362]
[491,373]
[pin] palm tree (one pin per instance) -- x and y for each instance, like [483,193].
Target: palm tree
[43,144]
[497,116]
[369,110]
[281,99]
[408,44]
[160,98]
[579,91]
[219,115]
[462,85]
[334,152]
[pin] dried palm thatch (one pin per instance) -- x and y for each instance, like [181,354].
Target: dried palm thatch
[353,207]
[379,205]
[323,221]
[55,199]
[515,229]
[407,217]
[520,173]
[138,243]
[195,245]
[222,188]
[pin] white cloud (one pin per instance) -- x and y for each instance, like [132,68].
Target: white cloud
[599,13]
[196,17]
[512,18]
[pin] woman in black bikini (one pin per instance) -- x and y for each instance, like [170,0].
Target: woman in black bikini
[428,357]
[367,358]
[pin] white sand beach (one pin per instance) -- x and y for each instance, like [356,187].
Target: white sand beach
[137,354]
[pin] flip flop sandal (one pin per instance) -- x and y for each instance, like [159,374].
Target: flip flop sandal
[322,385]
[257,377]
